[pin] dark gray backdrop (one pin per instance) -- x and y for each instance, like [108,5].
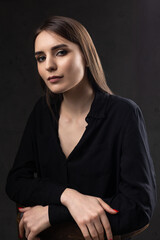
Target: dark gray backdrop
[127,37]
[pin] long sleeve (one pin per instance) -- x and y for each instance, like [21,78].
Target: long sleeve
[59,214]
[136,194]
[22,186]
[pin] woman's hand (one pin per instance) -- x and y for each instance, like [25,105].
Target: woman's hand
[34,220]
[88,212]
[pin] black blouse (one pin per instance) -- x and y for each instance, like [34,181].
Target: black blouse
[112,161]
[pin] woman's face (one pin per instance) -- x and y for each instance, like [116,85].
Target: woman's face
[53,60]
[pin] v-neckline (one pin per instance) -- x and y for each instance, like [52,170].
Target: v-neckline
[83,135]
[76,146]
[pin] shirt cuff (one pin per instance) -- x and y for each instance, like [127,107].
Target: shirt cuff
[58,214]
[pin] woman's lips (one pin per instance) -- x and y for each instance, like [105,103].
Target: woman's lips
[54,79]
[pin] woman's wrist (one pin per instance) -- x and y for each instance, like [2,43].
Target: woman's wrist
[46,216]
[66,196]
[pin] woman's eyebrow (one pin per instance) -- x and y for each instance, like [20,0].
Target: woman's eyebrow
[53,48]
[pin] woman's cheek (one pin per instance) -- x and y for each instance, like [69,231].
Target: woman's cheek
[41,73]
[73,67]
[66,66]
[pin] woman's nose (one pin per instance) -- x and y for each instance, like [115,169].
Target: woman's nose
[50,64]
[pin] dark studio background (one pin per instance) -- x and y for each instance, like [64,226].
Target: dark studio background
[127,37]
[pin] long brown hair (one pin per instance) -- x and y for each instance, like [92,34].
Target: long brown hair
[75,32]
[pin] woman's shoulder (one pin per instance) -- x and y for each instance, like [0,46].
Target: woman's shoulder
[40,103]
[123,110]
[39,107]
[120,103]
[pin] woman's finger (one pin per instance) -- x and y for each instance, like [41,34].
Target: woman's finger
[92,230]
[24,209]
[21,228]
[99,228]
[107,226]
[32,237]
[107,207]
[85,232]
[27,231]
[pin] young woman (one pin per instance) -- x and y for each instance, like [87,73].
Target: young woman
[84,156]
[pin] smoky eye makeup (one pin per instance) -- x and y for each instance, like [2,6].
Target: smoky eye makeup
[62,52]
[40,58]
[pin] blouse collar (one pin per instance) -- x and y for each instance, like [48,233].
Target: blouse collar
[98,107]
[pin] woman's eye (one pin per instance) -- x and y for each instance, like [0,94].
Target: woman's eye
[40,59]
[62,52]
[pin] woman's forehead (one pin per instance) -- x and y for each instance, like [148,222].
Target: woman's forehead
[47,39]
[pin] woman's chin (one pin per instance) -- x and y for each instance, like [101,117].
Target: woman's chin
[57,90]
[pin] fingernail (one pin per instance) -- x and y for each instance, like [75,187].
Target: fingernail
[110,239]
[20,208]
[116,211]
[20,237]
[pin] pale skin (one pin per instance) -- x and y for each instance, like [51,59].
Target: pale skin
[87,211]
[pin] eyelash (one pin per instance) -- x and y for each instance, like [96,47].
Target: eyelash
[38,58]
[63,51]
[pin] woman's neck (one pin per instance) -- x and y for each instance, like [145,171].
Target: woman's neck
[77,101]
